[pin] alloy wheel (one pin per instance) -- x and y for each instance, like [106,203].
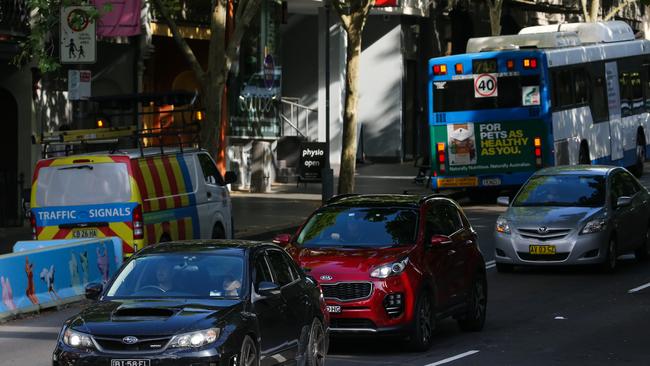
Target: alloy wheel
[248,353]
[424,320]
[317,345]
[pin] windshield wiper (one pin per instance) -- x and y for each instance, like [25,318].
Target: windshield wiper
[89,167]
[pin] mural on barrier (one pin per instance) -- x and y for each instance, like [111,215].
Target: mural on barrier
[48,276]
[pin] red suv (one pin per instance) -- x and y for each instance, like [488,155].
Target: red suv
[393,264]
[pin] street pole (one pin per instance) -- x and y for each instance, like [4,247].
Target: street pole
[327,173]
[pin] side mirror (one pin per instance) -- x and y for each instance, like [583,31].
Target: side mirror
[438,240]
[268,289]
[93,290]
[623,202]
[503,201]
[282,239]
[231,177]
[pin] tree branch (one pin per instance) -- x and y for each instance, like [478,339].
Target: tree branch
[346,20]
[245,13]
[583,3]
[218,40]
[620,7]
[180,41]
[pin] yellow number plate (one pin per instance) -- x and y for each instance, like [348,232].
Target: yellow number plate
[458,182]
[84,233]
[542,249]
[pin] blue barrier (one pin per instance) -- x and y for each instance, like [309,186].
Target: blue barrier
[56,274]
[24,245]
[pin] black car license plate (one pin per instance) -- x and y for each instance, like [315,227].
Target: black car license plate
[133,362]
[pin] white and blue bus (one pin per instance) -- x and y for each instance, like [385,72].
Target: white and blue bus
[552,95]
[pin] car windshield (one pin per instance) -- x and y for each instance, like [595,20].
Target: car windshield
[180,275]
[563,190]
[360,227]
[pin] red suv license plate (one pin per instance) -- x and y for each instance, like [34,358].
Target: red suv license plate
[138,362]
[333,308]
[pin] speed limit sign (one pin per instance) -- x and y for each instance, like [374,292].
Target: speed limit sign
[485,85]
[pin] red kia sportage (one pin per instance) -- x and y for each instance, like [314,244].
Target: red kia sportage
[393,264]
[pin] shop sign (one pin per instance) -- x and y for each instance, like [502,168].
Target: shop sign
[312,161]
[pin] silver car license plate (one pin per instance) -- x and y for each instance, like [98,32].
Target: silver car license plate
[333,308]
[131,362]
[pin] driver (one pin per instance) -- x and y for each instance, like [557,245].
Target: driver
[350,232]
[164,275]
[231,286]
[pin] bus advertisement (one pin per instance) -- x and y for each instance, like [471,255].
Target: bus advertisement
[545,97]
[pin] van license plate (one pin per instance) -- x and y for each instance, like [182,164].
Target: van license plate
[84,233]
[489,182]
[333,309]
[140,362]
[542,249]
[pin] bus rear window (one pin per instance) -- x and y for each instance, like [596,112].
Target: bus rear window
[458,95]
[83,184]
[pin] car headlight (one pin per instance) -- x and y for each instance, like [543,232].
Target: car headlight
[503,226]
[594,226]
[390,269]
[77,340]
[195,339]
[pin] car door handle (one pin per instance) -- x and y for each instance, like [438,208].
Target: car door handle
[451,252]
[209,195]
[469,242]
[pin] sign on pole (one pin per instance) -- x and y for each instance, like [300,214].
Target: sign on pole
[78,84]
[78,41]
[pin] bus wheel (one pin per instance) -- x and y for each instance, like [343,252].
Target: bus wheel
[583,156]
[640,158]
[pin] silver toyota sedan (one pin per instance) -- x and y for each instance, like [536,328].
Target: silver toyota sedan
[574,215]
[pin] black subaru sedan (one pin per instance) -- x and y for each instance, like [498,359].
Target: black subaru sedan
[200,303]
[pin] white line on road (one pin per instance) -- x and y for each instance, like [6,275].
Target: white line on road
[490,264]
[637,289]
[447,360]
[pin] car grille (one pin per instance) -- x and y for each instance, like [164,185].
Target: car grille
[352,323]
[347,291]
[143,344]
[549,234]
[543,257]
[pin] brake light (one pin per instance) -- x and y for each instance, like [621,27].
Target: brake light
[440,69]
[530,63]
[510,65]
[538,151]
[440,150]
[138,224]
[459,68]
[32,222]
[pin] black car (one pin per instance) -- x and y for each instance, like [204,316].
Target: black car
[218,302]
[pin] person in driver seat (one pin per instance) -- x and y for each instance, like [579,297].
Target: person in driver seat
[164,275]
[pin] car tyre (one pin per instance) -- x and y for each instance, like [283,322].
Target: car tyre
[643,252]
[248,355]
[218,232]
[640,155]
[316,345]
[474,318]
[505,268]
[423,324]
[611,260]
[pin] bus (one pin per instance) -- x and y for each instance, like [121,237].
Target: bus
[565,94]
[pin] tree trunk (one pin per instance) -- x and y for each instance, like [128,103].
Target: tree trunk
[209,131]
[349,147]
[495,20]
[595,7]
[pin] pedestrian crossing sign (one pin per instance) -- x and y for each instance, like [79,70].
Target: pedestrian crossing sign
[78,40]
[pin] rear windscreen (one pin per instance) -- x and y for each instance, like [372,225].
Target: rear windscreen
[83,184]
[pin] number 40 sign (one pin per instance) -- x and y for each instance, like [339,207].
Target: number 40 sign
[485,85]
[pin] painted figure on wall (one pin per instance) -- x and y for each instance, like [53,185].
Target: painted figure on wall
[83,258]
[7,294]
[30,292]
[47,275]
[102,263]
[75,280]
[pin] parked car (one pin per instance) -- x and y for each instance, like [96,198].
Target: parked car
[141,196]
[393,264]
[216,302]
[574,215]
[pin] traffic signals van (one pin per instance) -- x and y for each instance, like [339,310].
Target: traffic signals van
[141,196]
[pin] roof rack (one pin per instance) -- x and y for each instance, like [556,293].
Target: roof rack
[188,136]
[430,196]
[339,197]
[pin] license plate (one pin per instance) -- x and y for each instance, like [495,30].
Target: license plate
[84,233]
[136,362]
[333,309]
[491,181]
[542,249]
[458,182]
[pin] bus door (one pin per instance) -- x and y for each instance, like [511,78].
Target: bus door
[614,103]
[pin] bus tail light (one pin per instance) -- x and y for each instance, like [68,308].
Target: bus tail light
[440,152]
[530,63]
[440,69]
[459,68]
[32,222]
[538,152]
[510,65]
[138,223]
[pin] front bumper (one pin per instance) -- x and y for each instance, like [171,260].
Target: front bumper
[573,249]
[66,356]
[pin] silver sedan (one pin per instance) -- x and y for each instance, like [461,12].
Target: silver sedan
[574,215]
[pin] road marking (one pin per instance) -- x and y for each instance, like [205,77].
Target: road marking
[637,289]
[447,360]
[490,264]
